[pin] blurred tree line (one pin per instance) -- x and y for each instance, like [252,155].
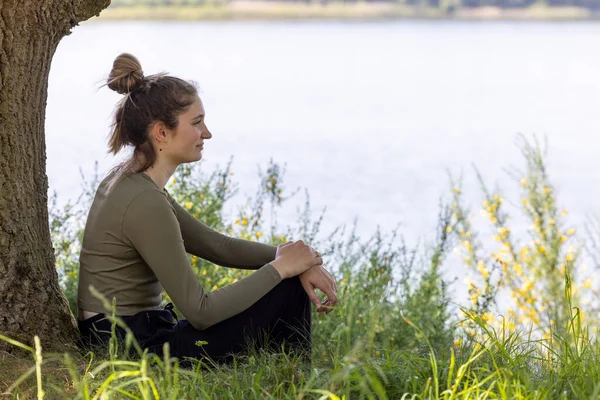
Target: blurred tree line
[445,4]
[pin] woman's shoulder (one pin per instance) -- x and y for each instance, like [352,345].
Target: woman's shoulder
[127,187]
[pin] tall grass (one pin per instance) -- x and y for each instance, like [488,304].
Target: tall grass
[394,334]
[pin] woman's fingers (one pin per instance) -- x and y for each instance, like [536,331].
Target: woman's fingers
[320,278]
[328,306]
[332,280]
[332,299]
[312,295]
[331,295]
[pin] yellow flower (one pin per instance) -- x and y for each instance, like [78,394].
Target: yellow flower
[188,205]
[569,257]
[523,182]
[448,229]
[237,221]
[258,234]
[571,231]
[245,221]
[564,212]
[518,269]
[457,190]
[524,202]
[283,239]
[563,239]
[214,287]
[487,317]
[587,283]
[551,221]
[482,269]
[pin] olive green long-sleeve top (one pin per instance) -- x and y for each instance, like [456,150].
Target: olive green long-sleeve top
[135,243]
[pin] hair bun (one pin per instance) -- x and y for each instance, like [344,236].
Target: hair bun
[126,74]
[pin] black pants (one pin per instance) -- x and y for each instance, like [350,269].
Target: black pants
[280,317]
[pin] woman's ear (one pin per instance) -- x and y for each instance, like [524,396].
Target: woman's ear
[159,133]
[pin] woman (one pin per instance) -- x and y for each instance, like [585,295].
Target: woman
[136,239]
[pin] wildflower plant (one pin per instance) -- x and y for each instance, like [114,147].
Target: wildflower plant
[531,270]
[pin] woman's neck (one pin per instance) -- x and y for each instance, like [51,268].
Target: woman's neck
[160,173]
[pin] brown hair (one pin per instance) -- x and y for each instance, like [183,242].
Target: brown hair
[147,100]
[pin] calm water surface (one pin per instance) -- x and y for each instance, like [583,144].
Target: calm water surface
[369,117]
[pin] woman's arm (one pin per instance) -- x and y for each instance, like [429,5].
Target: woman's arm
[204,242]
[151,226]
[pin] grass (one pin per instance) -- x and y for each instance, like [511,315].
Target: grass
[395,333]
[502,364]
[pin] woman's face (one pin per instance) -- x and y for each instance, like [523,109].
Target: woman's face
[187,140]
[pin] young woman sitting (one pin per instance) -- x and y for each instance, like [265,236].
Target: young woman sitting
[137,237]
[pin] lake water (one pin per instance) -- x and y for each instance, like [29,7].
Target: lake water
[367,116]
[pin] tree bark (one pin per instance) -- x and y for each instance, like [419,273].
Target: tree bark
[31,302]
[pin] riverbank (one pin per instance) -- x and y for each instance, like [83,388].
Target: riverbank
[268,10]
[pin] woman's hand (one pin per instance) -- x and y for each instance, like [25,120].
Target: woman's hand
[318,277]
[293,258]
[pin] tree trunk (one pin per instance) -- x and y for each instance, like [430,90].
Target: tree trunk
[31,302]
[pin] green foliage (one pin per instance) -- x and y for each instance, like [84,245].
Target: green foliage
[373,276]
[66,232]
[393,334]
[376,268]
